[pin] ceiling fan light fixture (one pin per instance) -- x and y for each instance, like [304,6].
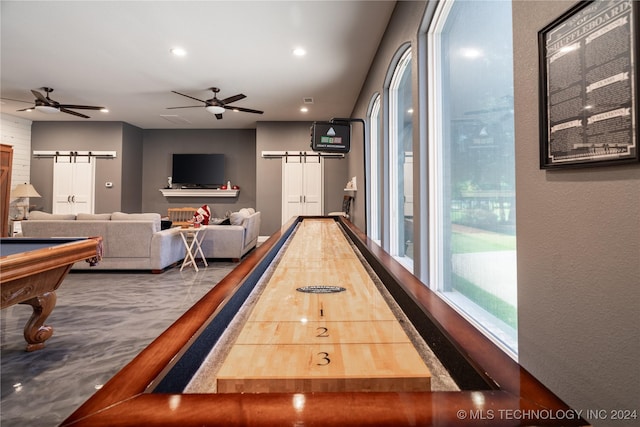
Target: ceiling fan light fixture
[214,109]
[47,109]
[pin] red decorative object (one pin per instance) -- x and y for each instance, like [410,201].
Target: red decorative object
[202,215]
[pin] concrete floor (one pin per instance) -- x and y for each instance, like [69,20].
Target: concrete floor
[101,322]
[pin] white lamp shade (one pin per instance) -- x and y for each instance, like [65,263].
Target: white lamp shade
[24,190]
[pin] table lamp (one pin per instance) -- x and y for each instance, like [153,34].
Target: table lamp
[23,191]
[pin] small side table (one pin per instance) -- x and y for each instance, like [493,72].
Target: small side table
[15,227]
[192,238]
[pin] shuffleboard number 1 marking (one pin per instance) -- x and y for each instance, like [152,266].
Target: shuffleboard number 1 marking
[322,332]
[324,359]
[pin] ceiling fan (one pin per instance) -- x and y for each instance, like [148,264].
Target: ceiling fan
[217,106]
[48,105]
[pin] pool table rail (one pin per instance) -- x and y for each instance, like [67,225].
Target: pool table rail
[31,277]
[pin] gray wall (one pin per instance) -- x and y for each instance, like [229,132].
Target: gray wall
[293,136]
[144,159]
[80,136]
[131,170]
[238,147]
[578,255]
[402,29]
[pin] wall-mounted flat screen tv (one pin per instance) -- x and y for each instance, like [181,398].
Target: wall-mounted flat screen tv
[198,170]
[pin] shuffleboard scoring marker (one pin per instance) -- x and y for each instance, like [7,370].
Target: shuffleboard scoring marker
[319,289]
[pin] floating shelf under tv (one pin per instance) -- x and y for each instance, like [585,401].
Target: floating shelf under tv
[198,192]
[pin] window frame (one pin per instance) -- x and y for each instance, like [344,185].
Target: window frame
[399,67]
[439,266]
[374,174]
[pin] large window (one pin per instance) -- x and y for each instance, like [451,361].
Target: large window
[472,178]
[373,163]
[401,162]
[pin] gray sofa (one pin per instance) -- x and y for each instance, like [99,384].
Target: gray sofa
[233,240]
[130,241]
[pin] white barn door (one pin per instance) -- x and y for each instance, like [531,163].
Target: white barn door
[73,185]
[302,190]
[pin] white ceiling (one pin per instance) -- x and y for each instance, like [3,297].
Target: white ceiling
[116,54]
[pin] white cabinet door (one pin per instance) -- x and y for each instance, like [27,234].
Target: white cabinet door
[292,188]
[302,192]
[62,186]
[312,181]
[73,185]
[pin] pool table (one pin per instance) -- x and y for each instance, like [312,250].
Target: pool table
[494,389]
[33,268]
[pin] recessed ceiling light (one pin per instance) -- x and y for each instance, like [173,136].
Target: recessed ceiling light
[104,110]
[178,51]
[299,51]
[304,109]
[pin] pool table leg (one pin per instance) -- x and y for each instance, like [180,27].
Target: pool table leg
[35,331]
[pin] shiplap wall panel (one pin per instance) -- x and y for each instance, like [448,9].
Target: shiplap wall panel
[16,132]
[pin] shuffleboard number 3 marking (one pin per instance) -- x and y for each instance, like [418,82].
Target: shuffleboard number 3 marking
[324,359]
[322,332]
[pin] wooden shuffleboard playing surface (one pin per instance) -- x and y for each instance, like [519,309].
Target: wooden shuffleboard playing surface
[321,324]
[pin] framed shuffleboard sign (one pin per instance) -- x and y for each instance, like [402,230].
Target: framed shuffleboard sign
[589,86]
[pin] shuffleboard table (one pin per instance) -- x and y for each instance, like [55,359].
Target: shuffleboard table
[276,373]
[31,269]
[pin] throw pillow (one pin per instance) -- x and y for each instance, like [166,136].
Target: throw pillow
[93,217]
[39,215]
[202,215]
[237,218]
[153,217]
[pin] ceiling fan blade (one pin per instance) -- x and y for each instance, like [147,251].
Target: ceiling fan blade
[219,116]
[64,110]
[244,110]
[234,98]
[18,100]
[80,107]
[39,96]
[191,106]
[189,96]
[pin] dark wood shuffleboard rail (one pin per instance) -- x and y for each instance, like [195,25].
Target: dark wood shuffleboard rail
[496,390]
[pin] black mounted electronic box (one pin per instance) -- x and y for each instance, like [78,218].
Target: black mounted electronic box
[329,137]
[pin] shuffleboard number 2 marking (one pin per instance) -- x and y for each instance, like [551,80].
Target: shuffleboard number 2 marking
[322,332]
[324,359]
